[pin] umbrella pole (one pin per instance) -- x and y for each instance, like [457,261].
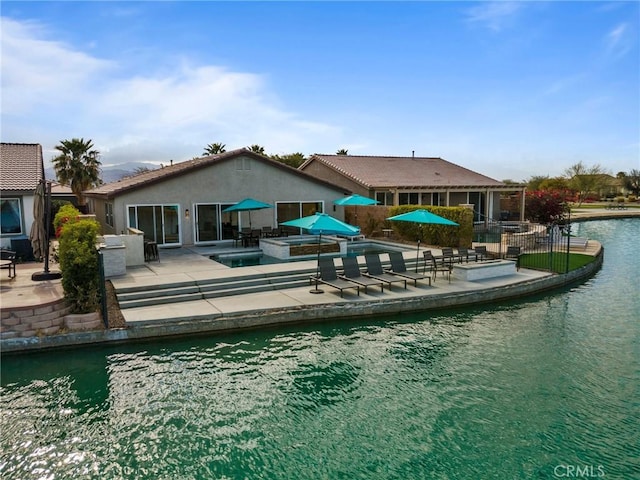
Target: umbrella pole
[317,290]
[417,255]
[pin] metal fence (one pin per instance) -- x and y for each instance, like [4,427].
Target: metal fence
[541,247]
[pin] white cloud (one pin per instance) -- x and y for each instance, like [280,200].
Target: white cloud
[144,116]
[493,15]
[618,41]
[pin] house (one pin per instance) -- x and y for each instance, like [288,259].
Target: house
[21,169]
[412,181]
[183,203]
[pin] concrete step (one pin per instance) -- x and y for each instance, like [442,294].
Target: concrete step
[139,296]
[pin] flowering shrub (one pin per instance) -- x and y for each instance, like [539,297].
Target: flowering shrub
[66,214]
[545,207]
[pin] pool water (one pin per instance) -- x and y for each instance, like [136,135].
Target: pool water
[528,389]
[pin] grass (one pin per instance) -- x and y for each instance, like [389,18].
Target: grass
[558,261]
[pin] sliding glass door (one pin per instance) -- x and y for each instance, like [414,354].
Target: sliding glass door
[160,223]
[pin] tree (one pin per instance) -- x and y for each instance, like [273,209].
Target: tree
[585,180]
[534,182]
[78,167]
[257,149]
[292,159]
[214,149]
[632,182]
[342,151]
[545,207]
[555,184]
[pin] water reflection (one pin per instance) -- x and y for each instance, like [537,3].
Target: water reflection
[506,390]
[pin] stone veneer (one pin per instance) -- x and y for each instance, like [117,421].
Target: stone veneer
[44,320]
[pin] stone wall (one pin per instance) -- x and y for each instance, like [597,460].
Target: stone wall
[310,249]
[44,320]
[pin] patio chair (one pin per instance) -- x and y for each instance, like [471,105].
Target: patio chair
[398,267]
[435,265]
[8,258]
[351,272]
[447,253]
[513,253]
[329,276]
[481,252]
[465,253]
[375,270]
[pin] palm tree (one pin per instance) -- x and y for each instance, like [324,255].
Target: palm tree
[78,167]
[342,151]
[257,149]
[214,149]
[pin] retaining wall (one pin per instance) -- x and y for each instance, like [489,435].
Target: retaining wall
[310,313]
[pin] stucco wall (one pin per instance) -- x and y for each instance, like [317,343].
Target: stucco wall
[225,183]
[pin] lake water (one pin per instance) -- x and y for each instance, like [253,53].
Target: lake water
[545,387]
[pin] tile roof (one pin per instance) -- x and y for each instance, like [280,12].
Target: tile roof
[160,174]
[21,166]
[391,172]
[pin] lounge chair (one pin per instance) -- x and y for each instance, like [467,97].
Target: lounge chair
[375,270]
[329,276]
[398,267]
[435,265]
[352,273]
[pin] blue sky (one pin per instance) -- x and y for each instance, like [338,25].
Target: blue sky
[508,89]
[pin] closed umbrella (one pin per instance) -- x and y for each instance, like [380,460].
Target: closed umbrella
[422,216]
[38,233]
[247,205]
[355,200]
[319,224]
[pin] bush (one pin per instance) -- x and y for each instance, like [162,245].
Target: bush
[545,207]
[79,265]
[66,214]
[433,234]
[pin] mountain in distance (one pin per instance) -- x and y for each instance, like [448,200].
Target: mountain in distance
[112,173]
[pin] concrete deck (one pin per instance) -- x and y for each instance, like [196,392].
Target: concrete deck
[253,310]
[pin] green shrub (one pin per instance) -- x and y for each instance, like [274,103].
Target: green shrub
[79,265]
[443,235]
[66,214]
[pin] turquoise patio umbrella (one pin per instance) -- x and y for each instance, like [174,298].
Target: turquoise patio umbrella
[319,224]
[355,200]
[247,205]
[422,216]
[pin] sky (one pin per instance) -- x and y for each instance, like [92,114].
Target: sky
[511,90]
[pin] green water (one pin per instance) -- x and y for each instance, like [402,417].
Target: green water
[540,388]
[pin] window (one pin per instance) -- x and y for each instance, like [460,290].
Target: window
[11,219]
[108,214]
[408,199]
[384,198]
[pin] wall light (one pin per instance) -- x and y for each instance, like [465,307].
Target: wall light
[186,214]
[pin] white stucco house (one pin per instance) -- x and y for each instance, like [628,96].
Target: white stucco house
[183,203]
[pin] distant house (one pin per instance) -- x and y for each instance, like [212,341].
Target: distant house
[183,203]
[21,169]
[412,181]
